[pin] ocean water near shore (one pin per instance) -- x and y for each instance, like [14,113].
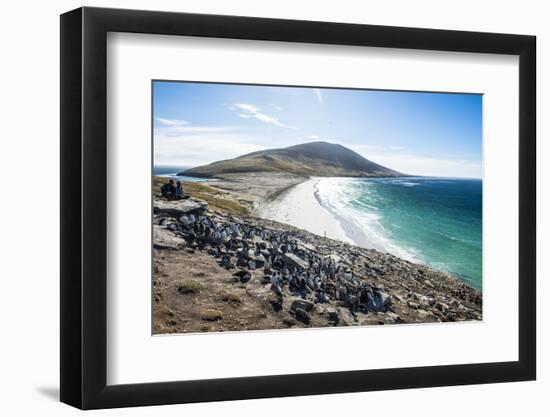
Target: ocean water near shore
[172,172]
[433,221]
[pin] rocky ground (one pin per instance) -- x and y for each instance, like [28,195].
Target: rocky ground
[215,270]
[257,187]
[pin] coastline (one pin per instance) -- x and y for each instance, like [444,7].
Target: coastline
[299,202]
[304,206]
[301,206]
[203,282]
[298,206]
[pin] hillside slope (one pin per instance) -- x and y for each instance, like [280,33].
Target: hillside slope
[310,159]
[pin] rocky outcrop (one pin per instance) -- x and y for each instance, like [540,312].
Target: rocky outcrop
[178,208]
[164,238]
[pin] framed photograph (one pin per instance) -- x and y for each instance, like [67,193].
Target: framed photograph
[257,208]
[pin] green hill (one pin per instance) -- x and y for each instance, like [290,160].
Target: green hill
[321,159]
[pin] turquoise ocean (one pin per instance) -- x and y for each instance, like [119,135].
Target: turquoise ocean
[433,221]
[172,172]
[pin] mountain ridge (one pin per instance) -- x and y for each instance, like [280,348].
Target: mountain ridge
[318,158]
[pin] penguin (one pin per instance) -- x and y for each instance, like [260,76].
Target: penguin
[226,262]
[277,290]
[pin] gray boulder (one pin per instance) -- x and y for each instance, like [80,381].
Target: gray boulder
[293,260]
[301,304]
[179,208]
[165,239]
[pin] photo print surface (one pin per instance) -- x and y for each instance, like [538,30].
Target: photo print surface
[281,207]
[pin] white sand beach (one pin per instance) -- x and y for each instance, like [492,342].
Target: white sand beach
[299,207]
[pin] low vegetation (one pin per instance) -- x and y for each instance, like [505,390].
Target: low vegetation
[315,158]
[229,297]
[216,199]
[211,314]
[189,286]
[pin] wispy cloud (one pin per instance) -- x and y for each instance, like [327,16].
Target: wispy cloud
[176,127]
[185,144]
[314,137]
[319,95]
[179,130]
[171,122]
[250,111]
[194,150]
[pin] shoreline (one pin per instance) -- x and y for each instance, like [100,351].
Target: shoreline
[295,201]
[299,207]
[215,281]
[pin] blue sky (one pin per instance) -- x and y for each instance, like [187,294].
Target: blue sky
[416,133]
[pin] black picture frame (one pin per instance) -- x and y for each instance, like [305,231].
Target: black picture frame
[84,207]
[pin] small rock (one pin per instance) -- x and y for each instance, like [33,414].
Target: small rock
[426,301]
[444,308]
[302,315]
[345,316]
[303,304]
[244,276]
[392,318]
[423,313]
[399,298]
[333,316]
[288,321]
[276,301]
[212,314]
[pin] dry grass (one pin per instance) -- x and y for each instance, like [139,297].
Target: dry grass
[229,297]
[216,199]
[189,286]
[211,314]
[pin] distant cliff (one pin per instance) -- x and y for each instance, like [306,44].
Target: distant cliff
[321,159]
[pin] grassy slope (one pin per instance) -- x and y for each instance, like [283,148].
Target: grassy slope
[313,159]
[216,199]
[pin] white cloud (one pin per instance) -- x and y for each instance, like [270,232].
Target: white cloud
[420,165]
[179,130]
[276,107]
[189,145]
[319,95]
[199,149]
[171,122]
[314,137]
[250,111]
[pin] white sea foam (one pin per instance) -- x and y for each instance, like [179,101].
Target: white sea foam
[362,224]
[405,183]
[324,206]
